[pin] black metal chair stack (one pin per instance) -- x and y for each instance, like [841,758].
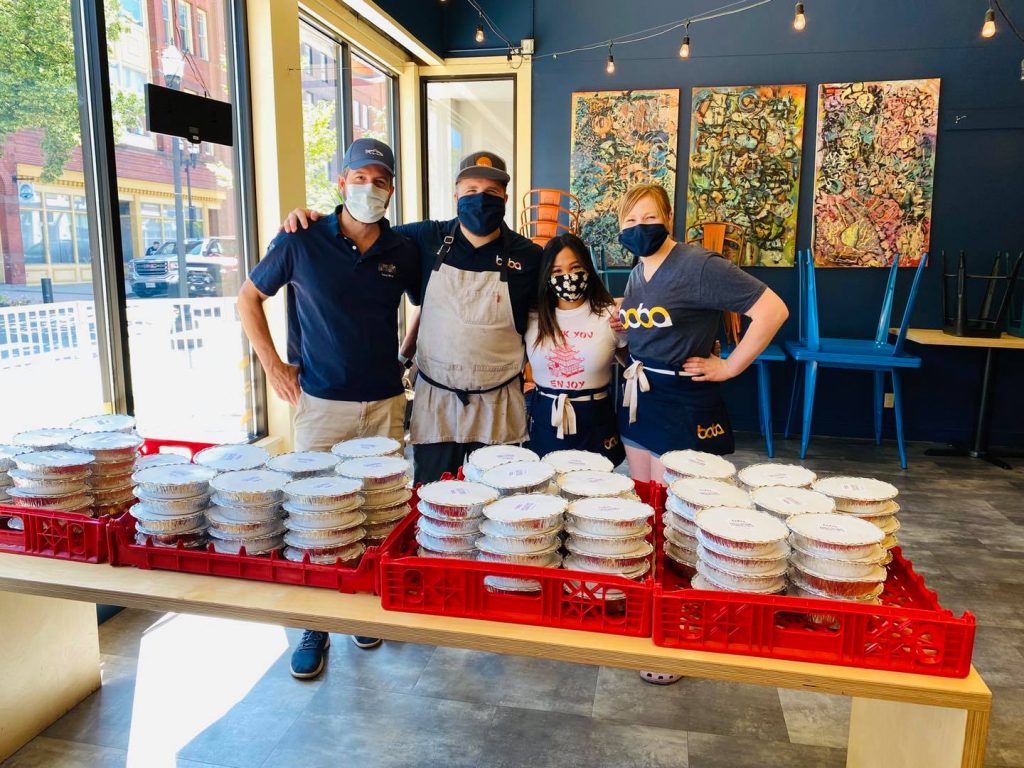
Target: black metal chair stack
[960,289]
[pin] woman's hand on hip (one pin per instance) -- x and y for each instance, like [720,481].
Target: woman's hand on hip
[711,368]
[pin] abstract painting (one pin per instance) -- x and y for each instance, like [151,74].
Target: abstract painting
[619,138]
[745,145]
[874,172]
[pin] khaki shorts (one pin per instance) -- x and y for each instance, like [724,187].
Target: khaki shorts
[319,423]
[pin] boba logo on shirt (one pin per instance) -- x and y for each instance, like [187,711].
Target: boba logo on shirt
[641,317]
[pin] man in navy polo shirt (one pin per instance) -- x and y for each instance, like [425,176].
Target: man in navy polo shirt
[479,284]
[346,276]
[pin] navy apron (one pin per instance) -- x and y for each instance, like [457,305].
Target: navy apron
[596,428]
[677,413]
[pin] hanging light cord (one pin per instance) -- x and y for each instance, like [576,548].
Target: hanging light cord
[1009,21]
[490,23]
[651,32]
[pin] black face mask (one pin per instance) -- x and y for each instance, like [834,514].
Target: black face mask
[643,239]
[481,213]
[571,286]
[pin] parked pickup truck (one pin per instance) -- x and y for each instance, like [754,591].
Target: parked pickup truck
[212,269]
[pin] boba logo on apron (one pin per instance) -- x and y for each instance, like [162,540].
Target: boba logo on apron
[641,317]
[715,430]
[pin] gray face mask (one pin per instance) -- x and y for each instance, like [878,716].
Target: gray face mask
[366,202]
[571,286]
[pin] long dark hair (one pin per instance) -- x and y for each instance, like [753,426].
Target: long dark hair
[596,294]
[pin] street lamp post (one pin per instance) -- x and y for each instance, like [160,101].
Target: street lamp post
[173,65]
[193,156]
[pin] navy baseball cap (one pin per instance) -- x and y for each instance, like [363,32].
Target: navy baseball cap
[364,152]
[483,165]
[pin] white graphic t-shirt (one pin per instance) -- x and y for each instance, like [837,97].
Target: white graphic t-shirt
[584,361]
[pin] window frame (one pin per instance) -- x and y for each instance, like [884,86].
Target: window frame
[202,32]
[185,38]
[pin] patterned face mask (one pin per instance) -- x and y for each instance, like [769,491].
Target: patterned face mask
[571,286]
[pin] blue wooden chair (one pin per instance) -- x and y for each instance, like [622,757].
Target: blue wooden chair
[812,351]
[773,353]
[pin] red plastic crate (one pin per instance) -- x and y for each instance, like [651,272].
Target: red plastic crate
[909,632]
[153,445]
[567,599]
[273,568]
[55,534]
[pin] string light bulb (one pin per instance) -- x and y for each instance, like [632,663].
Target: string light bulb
[988,29]
[684,49]
[479,36]
[610,67]
[799,20]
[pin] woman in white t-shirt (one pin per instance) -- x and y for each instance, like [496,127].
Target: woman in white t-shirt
[570,347]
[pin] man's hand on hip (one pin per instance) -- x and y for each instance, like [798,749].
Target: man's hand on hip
[284,378]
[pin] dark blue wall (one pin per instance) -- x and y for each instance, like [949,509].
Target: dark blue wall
[423,18]
[979,186]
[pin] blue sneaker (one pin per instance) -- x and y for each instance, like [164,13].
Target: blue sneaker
[366,642]
[309,658]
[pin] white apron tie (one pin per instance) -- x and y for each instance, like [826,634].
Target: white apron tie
[636,382]
[563,416]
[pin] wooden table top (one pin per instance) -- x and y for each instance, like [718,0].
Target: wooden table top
[935,337]
[313,608]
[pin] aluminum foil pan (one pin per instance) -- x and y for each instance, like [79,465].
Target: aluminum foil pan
[317,521]
[226,528]
[323,493]
[58,502]
[681,524]
[832,567]
[540,559]
[46,439]
[388,498]
[681,539]
[364,447]
[380,531]
[345,557]
[694,494]
[250,487]
[681,555]
[761,585]
[590,484]
[511,545]
[242,514]
[771,474]
[114,468]
[111,510]
[148,522]
[447,543]
[253,547]
[606,545]
[857,495]
[743,566]
[108,446]
[175,481]
[351,505]
[106,422]
[220,534]
[609,563]
[455,498]
[160,460]
[377,472]
[772,549]
[174,507]
[688,463]
[609,516]
[236,457]
[54,463]
[109,482]
[573,564]
[864,588]
[839,533]
[578,461]
[490,456]
[378,515]
[195,540]
[738,528]
[7,450]
[302,464]
[882,510]
[53,486]
[499,529]
[519,477]
[462,527]
[786,502]
[318,539]
[422,551]
[111,496]
[526,512]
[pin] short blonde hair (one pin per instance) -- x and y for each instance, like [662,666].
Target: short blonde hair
[637,193]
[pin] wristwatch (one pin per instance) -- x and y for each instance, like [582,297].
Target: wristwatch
[405,361]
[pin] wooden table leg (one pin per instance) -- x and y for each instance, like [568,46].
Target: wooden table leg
[50,662]
[891,734]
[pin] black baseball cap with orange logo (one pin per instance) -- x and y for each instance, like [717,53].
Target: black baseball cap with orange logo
[483,165]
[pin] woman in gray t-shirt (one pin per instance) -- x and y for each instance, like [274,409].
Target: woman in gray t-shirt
[671,311]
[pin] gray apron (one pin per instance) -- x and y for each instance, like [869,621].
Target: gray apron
[470,357]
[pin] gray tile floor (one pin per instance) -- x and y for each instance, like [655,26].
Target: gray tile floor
[189,691]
